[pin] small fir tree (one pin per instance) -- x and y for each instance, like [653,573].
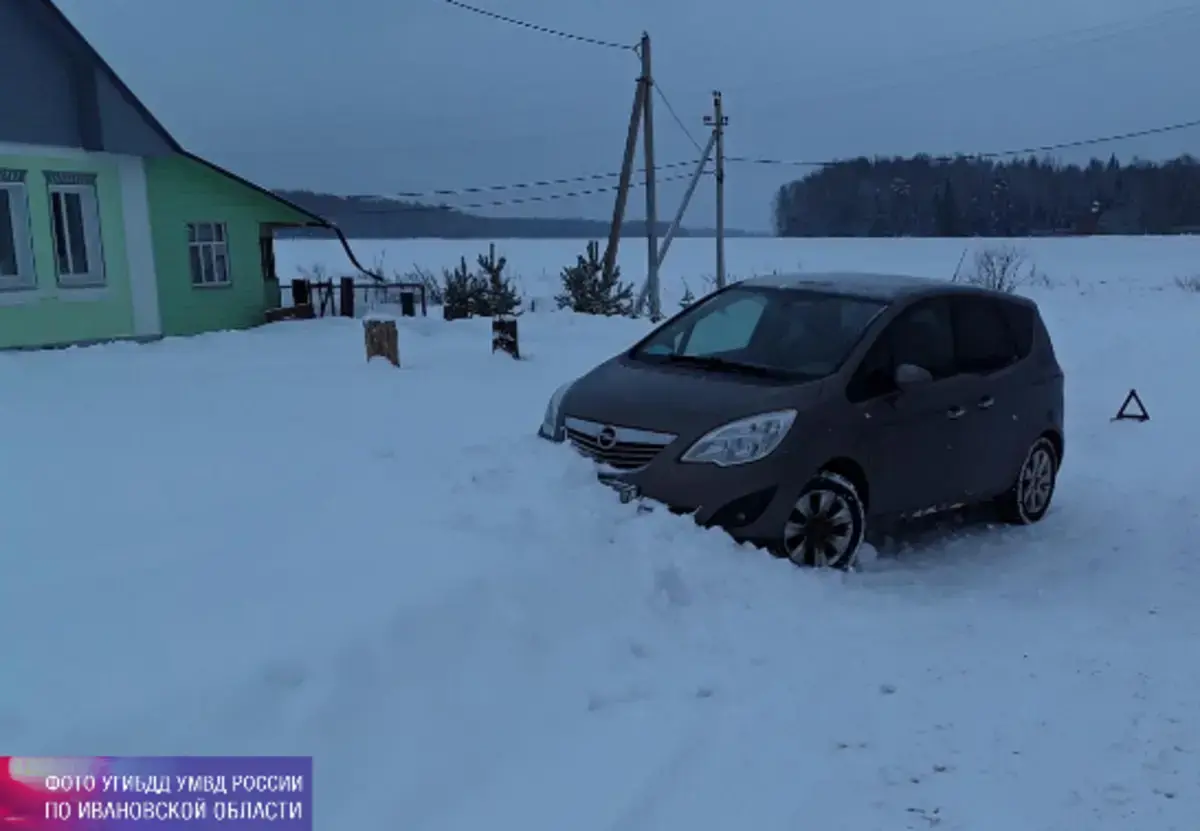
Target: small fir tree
[587,289]
[460,292]
[497,295]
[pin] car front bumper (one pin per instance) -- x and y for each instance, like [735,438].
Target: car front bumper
[751,502]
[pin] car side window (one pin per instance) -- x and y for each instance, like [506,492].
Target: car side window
[1021,320]
[923,335]
[982,340]
[876,375]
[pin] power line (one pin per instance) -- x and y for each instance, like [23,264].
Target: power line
[500,203]
[675,116]
[546,30]
[997,154]
[592,177]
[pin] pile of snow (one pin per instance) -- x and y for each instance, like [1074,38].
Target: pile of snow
[256,543]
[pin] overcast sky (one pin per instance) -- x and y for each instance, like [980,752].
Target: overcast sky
[383,96]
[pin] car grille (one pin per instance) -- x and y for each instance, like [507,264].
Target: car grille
[622,448]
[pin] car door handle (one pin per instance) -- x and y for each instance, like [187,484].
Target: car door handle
[955,412]
[986,402]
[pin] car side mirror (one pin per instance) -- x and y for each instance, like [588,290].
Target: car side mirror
[910,375]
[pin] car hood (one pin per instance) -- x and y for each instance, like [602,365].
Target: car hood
[679,400]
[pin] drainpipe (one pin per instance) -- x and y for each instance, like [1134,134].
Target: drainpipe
[379,278]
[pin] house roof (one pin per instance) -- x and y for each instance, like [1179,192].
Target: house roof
[143,110]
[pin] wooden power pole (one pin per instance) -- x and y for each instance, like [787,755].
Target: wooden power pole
[651,188]
[618,219]
[641,119]
[717,121]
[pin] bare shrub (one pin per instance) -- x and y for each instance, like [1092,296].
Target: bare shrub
[688,298]
[1189,284]
[708,282]
[316,273]
[1003,268]
[434,291]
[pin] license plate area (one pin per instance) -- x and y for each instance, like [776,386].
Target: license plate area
[626,492]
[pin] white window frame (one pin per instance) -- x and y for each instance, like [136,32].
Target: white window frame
[13,187]
[63,184]
[205,252]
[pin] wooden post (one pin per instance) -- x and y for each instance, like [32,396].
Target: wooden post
[301,292]
[382,340]
[325,289]
[504,336]
[346,298]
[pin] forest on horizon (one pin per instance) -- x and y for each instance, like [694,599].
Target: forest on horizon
[922,196]
[371,217]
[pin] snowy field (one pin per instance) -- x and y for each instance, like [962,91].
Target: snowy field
[1081,264]
[256,543]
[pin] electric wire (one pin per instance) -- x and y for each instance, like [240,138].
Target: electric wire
[570,180]
[994,154]
[675,117]
[737,159]
[389,206]
[546,30]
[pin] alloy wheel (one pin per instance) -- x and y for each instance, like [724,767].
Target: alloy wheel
[1036,483]
[820,530]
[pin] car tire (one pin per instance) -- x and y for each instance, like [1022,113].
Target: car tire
[1028,500]
[826,526]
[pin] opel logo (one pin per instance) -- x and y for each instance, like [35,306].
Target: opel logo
[607,438]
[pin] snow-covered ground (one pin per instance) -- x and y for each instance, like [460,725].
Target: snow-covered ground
[1080,264]
[257,543]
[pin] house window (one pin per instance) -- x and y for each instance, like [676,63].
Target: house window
[208,252]
[75,223]
[16,251]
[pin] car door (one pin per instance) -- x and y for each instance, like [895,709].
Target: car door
[910,440]
[993,433]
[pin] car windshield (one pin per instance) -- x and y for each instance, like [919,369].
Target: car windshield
[774,332]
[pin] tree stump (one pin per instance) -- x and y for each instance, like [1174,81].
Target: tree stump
[382,340]
[504,336]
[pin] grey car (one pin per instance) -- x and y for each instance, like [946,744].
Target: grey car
[791,410]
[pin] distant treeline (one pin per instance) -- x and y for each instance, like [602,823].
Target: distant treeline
[369,217]
[926,197]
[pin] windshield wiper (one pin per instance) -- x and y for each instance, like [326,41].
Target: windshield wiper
[725,365]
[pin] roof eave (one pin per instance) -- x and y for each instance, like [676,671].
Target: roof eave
[121,86]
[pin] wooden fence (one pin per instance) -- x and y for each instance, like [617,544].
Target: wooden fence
[342,298]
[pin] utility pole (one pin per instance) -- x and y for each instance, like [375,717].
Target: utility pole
[687,199]
[717,121]
[635,117]
[644,294]
[651,189]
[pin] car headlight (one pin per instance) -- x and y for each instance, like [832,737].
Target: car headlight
[551,423]
[743,441]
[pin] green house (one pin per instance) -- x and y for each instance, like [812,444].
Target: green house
[109,229]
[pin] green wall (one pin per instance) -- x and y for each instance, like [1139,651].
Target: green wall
[52,315]
[182,191]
